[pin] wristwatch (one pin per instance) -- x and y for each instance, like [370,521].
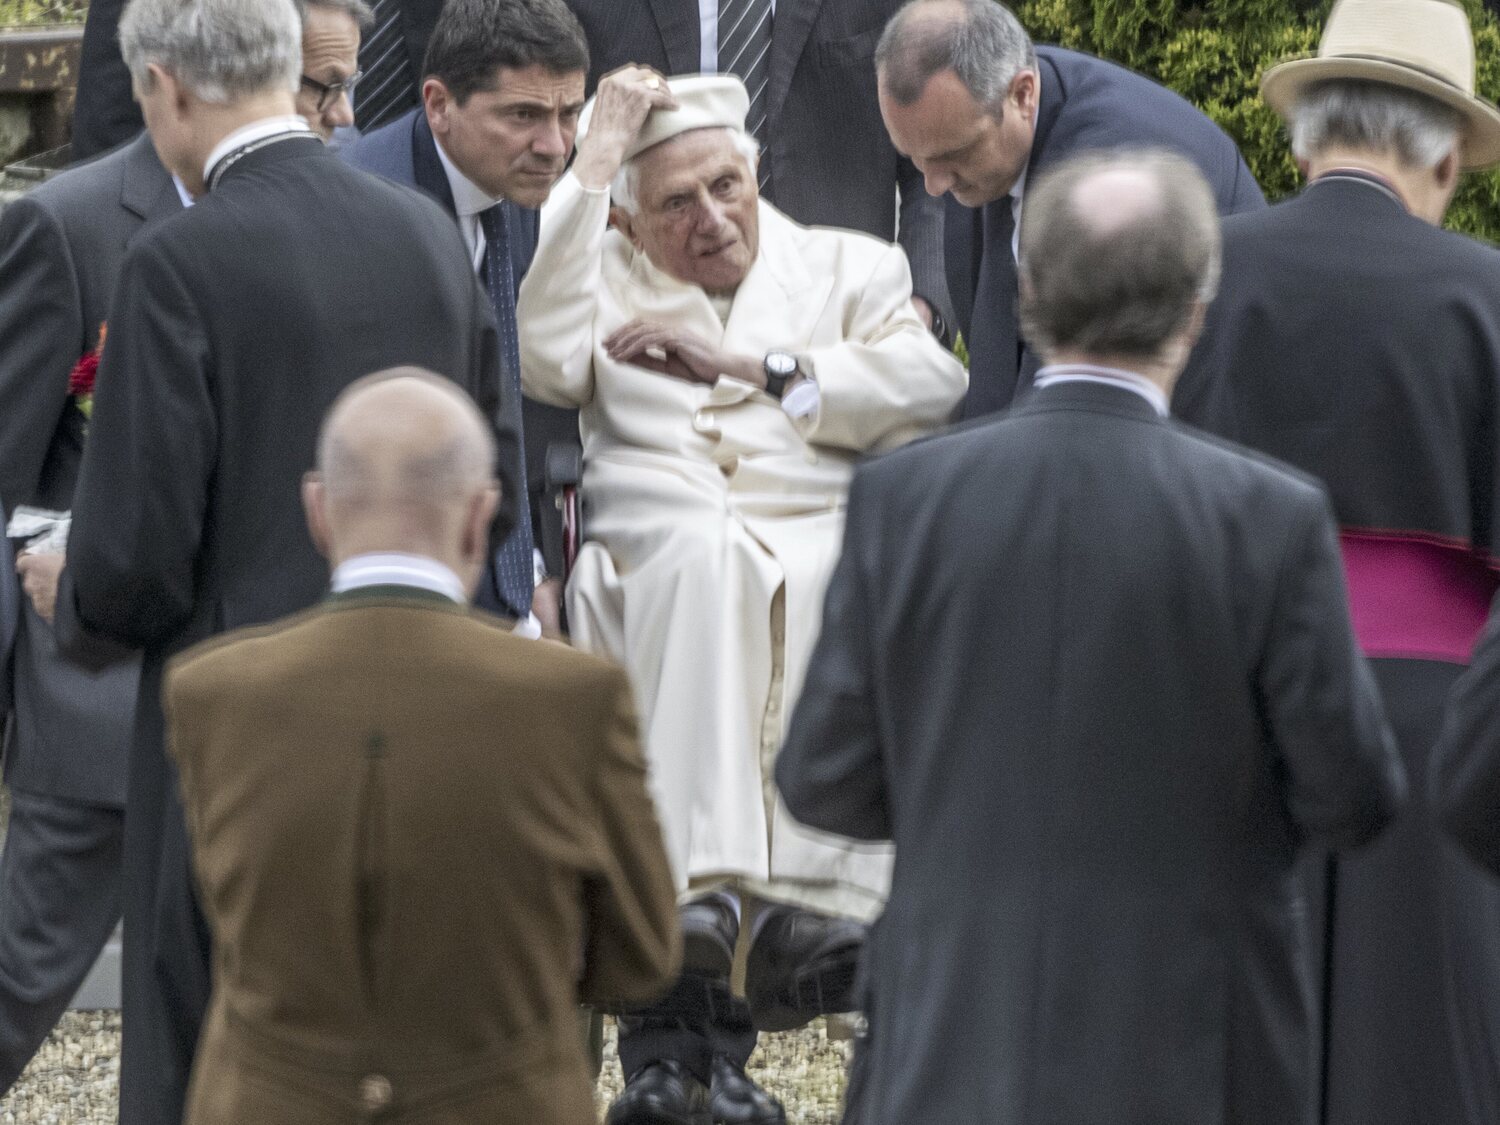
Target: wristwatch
[781,369]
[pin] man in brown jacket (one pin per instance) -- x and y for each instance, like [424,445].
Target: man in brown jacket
[421,841]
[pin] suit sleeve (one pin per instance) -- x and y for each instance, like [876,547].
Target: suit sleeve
[1344,778]
[1465,771]
[831,771]
[633,949]
[1245,193]
[41,329]
[560,296]
[144,483]
[889,380]
[921,236]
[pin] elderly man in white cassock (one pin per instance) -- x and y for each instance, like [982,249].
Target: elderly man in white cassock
[731,367]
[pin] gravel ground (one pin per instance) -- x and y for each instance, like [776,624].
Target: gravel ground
[75,1078]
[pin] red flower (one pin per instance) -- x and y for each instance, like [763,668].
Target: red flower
[85,371]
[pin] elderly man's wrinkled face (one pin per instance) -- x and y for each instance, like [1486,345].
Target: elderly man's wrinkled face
[330,56]
[959,145]
[513,139]
[696,216]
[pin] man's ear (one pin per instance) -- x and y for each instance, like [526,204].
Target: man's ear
[314,504]
[1023,94]
[437,102]
[481,514]
[1447,172]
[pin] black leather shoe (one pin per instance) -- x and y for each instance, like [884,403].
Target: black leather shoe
[801,965]
[735,1099]
[710,929]
[661,1093]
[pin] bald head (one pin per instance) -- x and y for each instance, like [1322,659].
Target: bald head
[406,463]
[1118,251]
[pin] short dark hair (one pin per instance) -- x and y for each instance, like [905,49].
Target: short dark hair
[1123,288]
[473,39]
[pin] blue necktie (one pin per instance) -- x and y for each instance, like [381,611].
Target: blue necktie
[513,564]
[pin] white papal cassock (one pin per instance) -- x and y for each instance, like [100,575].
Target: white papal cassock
[714,519]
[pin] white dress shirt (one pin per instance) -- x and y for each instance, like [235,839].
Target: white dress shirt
[390,568]
[470,201]
[249,134]
[1110,377]
[708,34]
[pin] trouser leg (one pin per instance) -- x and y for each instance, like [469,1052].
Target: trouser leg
[59,903]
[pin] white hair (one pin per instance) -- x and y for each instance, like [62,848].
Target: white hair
[626,187]
[219,49]
[1371,116]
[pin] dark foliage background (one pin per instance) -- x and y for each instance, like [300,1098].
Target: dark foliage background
[1213,54]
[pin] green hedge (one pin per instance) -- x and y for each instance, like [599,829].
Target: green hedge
[1214,52]
[30,13]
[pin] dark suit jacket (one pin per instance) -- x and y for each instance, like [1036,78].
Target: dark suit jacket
[1094,674]
[105,113]
[405,152]
[60,251]
[428,894]
[832,163]
[236,324]
[1465,784]
[1362,345]
[9,596]
[1087,103]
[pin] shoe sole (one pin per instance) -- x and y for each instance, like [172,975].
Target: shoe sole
[661,1119]
[820,991]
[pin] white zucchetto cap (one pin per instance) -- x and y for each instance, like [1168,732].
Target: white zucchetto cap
[704,101]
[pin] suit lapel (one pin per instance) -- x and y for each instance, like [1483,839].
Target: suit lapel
[146,188]
[677,21]
[427,168]
[790,28]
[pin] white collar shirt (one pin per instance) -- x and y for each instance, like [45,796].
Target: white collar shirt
[1109,377]
[249,134]
[391,568]
[469,201]
[708,35]
[182,191]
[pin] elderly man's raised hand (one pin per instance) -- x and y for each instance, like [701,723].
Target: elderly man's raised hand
[681,354]
[624,100]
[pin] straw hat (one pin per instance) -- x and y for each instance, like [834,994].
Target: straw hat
[704,101]
[1420,45]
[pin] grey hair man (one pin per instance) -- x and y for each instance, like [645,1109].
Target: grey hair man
[234,327]
[1173,700]
[1356,340]
[331,32]
[730,366]
[982,112]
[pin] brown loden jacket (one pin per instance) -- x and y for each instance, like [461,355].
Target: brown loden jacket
[420,843]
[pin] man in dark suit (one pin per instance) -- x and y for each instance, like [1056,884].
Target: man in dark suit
[234,327]
[453,946]
[60,252]
[982,112]
[1095,915]
[502,92]
[1357,340]
[809,67]
[105,114]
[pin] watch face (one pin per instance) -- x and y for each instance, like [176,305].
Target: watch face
[781,363]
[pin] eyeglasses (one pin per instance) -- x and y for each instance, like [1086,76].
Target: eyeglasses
[330,92]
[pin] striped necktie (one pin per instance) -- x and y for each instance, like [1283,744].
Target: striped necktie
[745,51]
[514,567]
[386,90]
